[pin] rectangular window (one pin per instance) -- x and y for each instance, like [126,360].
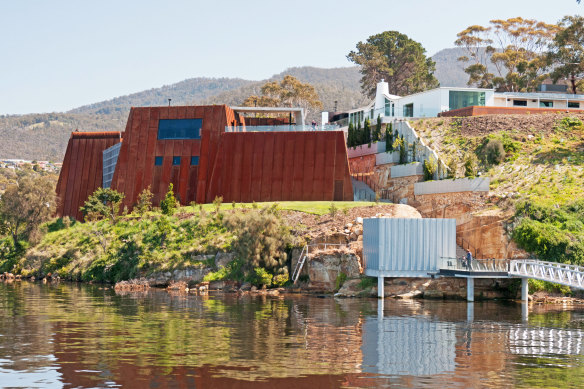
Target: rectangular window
[158,161]
[387,108]
[546,104]
[460,99]
[520,103]
[409,110]
[175,161]
[180,128]
[573,104]
[194,161]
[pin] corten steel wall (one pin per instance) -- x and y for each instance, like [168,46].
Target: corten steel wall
[280,166]
[480,110]
[135,169]
[81,174]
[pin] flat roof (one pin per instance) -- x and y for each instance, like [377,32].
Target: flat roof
[540,95]
[269,109]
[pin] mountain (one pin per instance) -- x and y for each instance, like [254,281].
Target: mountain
[188,91]
[44,136]
[449,71]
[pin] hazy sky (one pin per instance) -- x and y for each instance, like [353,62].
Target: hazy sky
[60,54]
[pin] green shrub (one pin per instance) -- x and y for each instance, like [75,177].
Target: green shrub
[260,277]
[471,165]
[494,152]
[280,280]
[261,238]
[367,282]
[341,278]
[144,203]
[103,203]
[430,168]
[168,204]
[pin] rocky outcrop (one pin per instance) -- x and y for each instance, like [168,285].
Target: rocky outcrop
[192,274]
[427,288]
[326,266]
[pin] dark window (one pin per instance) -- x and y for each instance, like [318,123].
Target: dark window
[180,128]
[573,104]
[175,161]
[460,99]
[158,161]
[520,103]
[194,161]
[409,110]
[546,104]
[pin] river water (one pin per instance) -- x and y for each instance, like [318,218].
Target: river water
[81,336]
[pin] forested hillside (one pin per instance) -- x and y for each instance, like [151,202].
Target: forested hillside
[44,136]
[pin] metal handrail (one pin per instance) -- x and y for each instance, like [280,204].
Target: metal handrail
[559,273]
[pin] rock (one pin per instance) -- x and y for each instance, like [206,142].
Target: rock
[324,268]
[351,288]
[410,295]
[246,286]
[359,220]
[433,294]
[349,225]
[216,285]
[253,288]
[223,259]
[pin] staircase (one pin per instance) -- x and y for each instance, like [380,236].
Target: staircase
[362,191]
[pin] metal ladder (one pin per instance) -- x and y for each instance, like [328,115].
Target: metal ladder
[300,263]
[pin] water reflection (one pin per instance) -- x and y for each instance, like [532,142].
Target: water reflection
[88,336]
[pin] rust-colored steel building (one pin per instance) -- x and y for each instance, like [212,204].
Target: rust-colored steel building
[199,151]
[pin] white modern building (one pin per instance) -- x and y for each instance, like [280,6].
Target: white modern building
[435,101]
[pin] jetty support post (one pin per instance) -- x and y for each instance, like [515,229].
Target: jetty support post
[470,289]
[380,287]
[524,290]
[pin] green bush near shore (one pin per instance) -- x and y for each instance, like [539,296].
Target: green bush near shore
[553,233]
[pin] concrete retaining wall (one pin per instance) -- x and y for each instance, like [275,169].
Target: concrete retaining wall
[384,158]
[359,151]
[410,169]
[479,184]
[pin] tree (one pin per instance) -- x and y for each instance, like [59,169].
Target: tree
[567,51]
[388,138]
[377,132]
[351,135]
[290,92]
[401,61]
[516,48]
[25,205]
[168,204]
[144,203]
[103,203]
[366,132]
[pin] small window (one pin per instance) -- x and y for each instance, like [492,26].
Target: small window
[409,110]
[194,161]
[158,161]
[546,104]
[520,103]
[573,104]
[175,161]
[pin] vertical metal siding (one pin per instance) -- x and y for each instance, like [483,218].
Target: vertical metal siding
[407,246]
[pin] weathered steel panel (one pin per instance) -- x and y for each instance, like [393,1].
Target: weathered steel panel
[82,169]
[299,165]
[268,164]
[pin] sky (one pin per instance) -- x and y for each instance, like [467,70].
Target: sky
[60,54]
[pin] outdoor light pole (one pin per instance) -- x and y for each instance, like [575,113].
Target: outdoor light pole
[169,102]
